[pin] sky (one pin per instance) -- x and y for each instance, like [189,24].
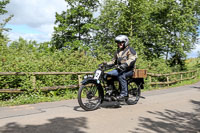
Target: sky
[34,20]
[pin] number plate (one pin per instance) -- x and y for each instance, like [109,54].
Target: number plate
[97,74]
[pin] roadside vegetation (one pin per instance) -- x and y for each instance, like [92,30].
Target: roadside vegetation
[161,32]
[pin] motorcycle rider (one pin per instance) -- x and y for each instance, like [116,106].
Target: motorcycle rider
[125,58]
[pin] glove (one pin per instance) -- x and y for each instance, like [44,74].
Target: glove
[103,64]
[123,67]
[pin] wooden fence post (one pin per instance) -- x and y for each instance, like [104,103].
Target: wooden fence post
[181,77]
[79,80]
[33,78]
[150,80]
[167,81]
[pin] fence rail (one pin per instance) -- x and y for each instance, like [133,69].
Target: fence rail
[181,77]
[33,80]
[190,75]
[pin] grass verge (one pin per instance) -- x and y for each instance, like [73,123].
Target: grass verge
[39,97]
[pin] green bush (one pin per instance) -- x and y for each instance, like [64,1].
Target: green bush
[28,56]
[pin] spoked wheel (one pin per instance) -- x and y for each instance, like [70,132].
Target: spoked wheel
[134,91]
[89,97]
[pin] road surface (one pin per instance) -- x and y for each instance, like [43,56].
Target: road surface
[173,110]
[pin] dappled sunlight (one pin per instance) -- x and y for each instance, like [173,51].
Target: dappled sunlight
[56,125]
[171,121]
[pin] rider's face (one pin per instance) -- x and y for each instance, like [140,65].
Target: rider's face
[120,45]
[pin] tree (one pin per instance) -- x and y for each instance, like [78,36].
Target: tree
[123,17]
[107,24]
[177,23]
[5,21]
[74,26]
[156,28]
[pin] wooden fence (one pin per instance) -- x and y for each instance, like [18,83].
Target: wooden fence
[169,79]
[172,78]
[33,80]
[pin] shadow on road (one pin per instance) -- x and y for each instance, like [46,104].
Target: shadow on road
[171,121]
[111,105]
[197,87]
[56,125]
[108,105]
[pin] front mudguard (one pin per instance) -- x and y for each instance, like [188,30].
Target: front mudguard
[99,86]
[89,80]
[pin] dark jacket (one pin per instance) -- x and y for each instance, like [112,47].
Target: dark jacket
[126,56]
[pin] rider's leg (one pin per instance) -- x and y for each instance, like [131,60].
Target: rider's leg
[123,82]
[113,73]
[110,84]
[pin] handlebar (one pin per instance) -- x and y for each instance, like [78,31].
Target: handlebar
[106,67]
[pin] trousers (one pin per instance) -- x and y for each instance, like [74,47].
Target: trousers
[122,78]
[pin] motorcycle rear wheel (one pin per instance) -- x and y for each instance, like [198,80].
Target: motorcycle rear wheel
[134,91]
[89,97]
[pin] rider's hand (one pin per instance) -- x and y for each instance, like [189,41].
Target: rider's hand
[102,64]
[122,67]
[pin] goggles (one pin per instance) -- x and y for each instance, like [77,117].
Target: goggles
[119,42]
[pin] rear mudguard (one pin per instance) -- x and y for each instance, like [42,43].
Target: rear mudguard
[138,81]
[99,87]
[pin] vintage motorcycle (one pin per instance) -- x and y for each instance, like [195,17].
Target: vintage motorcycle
[95,89]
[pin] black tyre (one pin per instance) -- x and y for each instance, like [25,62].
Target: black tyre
[89,97]
[134,91]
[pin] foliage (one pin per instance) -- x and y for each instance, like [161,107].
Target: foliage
[37,97]
[75,25]
[156,29]
[27,56]
[3,38]
[193,63]
[161,31]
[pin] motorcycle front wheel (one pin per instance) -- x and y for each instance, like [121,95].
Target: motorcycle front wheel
[89,97]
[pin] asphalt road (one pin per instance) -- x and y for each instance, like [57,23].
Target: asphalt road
[173,110]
